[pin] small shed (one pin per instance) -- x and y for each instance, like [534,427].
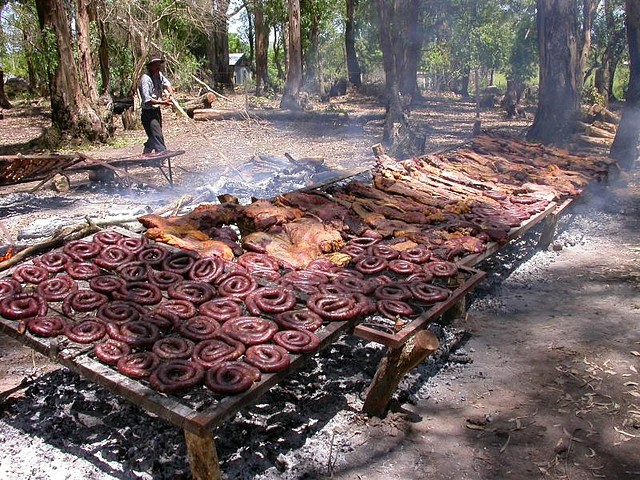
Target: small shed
[241,68]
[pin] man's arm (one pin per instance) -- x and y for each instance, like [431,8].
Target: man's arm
[147,92]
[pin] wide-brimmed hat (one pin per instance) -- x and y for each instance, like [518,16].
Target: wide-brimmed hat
[155,60]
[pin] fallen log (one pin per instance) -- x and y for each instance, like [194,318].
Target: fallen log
[393,367]
[609,127]
[593,141]
[593,131]
[206,114]
[598,112]
[202,102]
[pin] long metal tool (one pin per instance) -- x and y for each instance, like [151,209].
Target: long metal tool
[203,135]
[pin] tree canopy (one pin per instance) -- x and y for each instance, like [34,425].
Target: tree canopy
[434,45]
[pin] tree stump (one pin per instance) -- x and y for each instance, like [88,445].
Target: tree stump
[130,121]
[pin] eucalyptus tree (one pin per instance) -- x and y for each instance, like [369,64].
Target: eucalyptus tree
[4,101]
[625,144]
[74,111]
[354,74]
[559,99]
[293,84]
[608,47]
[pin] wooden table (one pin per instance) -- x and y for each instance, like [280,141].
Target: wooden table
[120,166]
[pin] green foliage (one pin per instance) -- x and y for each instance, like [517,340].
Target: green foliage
[621,81]
[237,44]
[591,96]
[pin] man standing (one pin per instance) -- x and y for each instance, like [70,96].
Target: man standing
[151,87]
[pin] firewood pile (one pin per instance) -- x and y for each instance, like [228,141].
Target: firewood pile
[598,127]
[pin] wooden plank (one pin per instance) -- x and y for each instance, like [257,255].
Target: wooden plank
[399,338]
[55,348]
[166,407]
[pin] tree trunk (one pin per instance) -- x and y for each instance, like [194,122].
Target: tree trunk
[312,58]
[218,48]
[353,66]
[394,115]
[625,145]
[262,46]
[464,83]
[589,8]
[558,105]
[251,34]
[87,77]
[71,111]
[278,38]
[512,97]
[103,55]
[31,69]
[294,65]
[4,101]
[408,39]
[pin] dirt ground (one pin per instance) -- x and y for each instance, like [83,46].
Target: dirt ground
[545,383]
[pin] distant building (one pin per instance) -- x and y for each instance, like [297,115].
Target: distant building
[241,68]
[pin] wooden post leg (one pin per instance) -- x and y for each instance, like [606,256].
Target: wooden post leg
[202,456]
[170,171]
[457,310]
[548,231]
[396,363]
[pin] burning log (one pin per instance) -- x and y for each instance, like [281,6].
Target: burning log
[395,365]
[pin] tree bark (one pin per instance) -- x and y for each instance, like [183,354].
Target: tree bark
[290,98]
[4,101]
[408,46]
[589,8]
[558,105]
[353,66]
[625,145]
[103,56]
[394,108]
[87,78]
[218,48]
[278,40]
[71,111]
[312,58]
[262,45]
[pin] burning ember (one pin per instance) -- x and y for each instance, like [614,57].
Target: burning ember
[8,251]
